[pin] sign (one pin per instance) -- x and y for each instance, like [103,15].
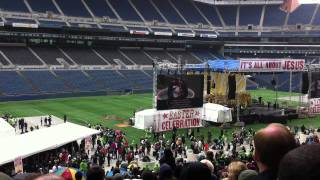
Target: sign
[87,143]
[187,34]
[314,106]
[136,32]
[18,165]
[163,33]
[272,65]
[208,35]
[179,91]
[179,118]
[25,25]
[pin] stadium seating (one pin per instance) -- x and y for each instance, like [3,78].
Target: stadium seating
[140,80]
[110,80]
[77,80]
[302,15]
[100,8]
[113,54]
[11,83]
[16,20]
[49,55]
[52,24]
[137,56]
[316,20]
[84,56]
[229,14]
[274,16]
[168,11]
[189,12]
[45,81]
[204,55]
[3,61]
[147,10]
[185,57]
[43,6]
[210,12]
[13,5]
[161,55]
[125,10]
[250,15]
[20,56]
[73,8]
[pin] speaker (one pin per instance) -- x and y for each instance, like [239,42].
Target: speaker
[232,87]
[208,84]
[305,83]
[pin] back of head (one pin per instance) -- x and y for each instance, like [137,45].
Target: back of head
[247,174]
[4,176]
[78,175]
[165,172]
[301,163]
[95,173]
[234,169]
[194,171]
[147,175]
[50,177]
[271,144]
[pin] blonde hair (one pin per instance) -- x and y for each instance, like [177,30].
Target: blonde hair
[234,169]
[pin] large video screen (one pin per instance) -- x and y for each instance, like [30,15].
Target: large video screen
[179,91]
[315,85]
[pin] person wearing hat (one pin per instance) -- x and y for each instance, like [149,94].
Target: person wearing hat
[247,174]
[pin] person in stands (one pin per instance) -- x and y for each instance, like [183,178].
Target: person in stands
[301,163]
[270,145]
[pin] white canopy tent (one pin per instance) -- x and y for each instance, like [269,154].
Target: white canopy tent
[216,113]
[144,119]
[41,140]
[6,129]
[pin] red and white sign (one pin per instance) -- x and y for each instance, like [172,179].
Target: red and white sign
[314,107]
[18,165]
[179,118]
[272,65]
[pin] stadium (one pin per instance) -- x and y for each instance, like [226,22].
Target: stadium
[159,89]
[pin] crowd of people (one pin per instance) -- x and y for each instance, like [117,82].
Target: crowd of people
[274,152]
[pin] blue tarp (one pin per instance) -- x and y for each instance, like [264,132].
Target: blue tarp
[216,65]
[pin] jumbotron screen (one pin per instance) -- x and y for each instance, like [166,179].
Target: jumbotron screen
[179,91]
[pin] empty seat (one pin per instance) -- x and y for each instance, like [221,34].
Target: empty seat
[229,14]
[210,12]
[100,8]
[147,10]
[77,80]
[84,56]
[273,16]
[137,56]
[43,6]
[168,11]
[125,10]
[45,81]
[11,83]
[186,57]
[13,5]
[20,56]
[113,54]
[160,55]
[189,12]
[73,8]
[110,79]
[50,55]
[140,79]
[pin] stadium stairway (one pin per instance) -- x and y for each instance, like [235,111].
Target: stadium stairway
[28,81]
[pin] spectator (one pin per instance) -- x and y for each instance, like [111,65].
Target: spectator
[271,144]
[4,176]
[147,175]
[195,171]
[234,169]
[49,177]
[165,172]
[247,174]
[301,163]
[95,173]
[168,159]
[78,175]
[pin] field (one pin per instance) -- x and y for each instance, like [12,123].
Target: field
[94,109]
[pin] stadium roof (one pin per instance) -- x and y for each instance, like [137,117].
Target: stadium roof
[41,140]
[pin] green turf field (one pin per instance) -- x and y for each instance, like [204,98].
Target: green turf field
[94,109]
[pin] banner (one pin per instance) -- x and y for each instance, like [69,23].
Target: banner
[315,85]
[179,91]
[272,65]
[163,33]
[179,118]
[18,165]
[314,107]
[136,32]
[187,34]
[208,35]
[25,25]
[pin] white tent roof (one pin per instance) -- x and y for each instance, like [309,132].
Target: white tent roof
[6,129]
[216,107]
[41,140]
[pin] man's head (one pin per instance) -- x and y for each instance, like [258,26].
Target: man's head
[271,144]
[95,173]
[301,163]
